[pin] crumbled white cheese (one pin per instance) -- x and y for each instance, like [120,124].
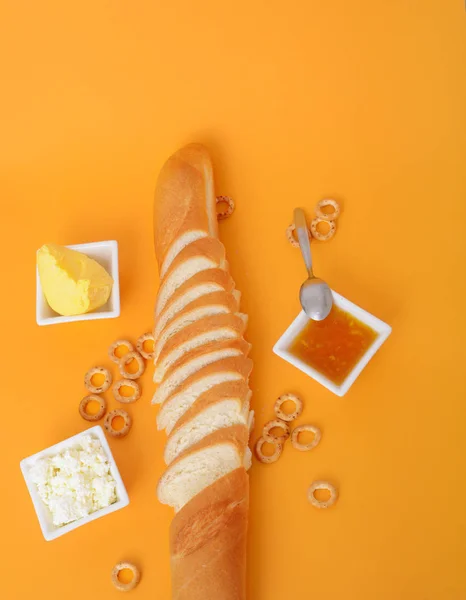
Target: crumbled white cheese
[75,482]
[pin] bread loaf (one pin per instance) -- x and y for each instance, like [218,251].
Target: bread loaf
[208,542]
[202,370]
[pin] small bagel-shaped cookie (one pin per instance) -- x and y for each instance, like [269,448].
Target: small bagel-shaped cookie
[92,398]
[291,235]
[328,216]
[125,587]
[117,344]
[292,416]
[304,447]
[118,433]
[224,214]
[127,358]
[322,237]
[98,389]
[140,345]
[273,457]
[269,437]
[322,485]
[126,399]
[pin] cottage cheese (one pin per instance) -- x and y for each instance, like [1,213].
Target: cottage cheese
[76,482]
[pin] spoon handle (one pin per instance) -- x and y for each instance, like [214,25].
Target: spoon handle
[303,237]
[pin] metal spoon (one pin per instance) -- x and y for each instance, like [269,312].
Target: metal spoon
[315,295]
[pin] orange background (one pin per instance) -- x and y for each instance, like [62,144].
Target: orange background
[363,101]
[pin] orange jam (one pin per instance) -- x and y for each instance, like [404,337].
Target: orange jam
[333,346]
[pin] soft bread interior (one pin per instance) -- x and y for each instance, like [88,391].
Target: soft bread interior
[201,284]
[239,344]
[183,321]
[206,306]
[178,245]
[196,471]
[230,369]
[215,328]
[225,391]
[224,413]
[180,374]
[189,268]
[204,254]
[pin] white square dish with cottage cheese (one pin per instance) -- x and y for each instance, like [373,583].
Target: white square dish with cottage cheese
[74,482]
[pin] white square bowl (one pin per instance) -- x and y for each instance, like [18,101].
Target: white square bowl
[282,347]
[106,254]
[49,530]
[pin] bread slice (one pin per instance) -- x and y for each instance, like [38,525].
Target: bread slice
[223,406]
[208,542]
[189,364]
[212,304]
[175,406]
[251,422]
[201,284]
[184,204]
[210,459]
[216,328]
[207,253]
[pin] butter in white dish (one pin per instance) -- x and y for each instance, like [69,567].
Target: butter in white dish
[106,254]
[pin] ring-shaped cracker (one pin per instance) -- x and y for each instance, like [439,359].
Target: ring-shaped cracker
[291,235]
[118,433]
[140,345]
[273,457]
[281,439]
[98,389]
[328,216]
[127,358]
[224,214]
[322,485]
[92,398]
[117,344]
[125,587]
[304,447]
[126,399]
[292,416]
[322,237]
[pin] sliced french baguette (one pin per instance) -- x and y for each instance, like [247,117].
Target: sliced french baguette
[215,328]
[190,363]
[203,372]
[201,465]
[208,542]
[201,284]
[223,406]
[174,407]
[206,306]
[184,204]
[206,253]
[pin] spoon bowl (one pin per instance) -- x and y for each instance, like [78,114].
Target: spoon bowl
[316,299]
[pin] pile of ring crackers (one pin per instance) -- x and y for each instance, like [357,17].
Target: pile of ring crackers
[128,380]
[282,422]
[327,212]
